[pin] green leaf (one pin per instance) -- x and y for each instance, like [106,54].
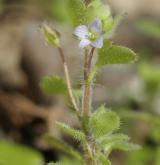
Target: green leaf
[103,159]
[50,35]
[98,9]
[77,12]
[15,154]
[76,134]
[121,145]
[53,84]
[113,54]
[103,121]
[113,138]
[61,146]
[149,27]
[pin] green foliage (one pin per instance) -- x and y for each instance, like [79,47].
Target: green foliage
[97,9]
[102,160]
[113,138]
[158,156]
[76,134]
[98,135]
[58,10]
[103,121]
[67,161]
[77,12]
[50,35]
[111,25]
[53,84]
[150,73]
[113,54]
[61,146]
[16,154]
[149,27]
[124,146]
[116,142]
[140,157]
[155,130]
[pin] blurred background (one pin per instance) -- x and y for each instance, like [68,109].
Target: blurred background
[133,90]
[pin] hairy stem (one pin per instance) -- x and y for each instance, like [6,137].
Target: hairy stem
[69,87]
[86,107]
[87,86]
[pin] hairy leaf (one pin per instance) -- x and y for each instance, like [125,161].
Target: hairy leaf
[53,84]
[103,159]
[113,54]
[103,121]
[77,12]
[98,9]
[61,146]
[121,145]
[113,138]
[76,134]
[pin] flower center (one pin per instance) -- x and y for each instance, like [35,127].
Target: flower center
[93,35]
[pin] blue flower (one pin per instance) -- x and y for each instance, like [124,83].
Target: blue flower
[91,35]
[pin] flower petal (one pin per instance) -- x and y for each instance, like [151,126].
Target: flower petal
[96,25]
[81,31]
[84,43]
[98,43]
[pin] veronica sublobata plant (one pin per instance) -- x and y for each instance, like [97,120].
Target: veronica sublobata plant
[93,27]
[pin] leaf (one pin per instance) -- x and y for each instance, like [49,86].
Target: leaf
[76,134]
[113,54]
[149,27]
[121,145]
[77,12]
[53,84]
[113,138]
[97,9]
[61,146]
[103,121]
[50,35]
[103,159]
[15,154]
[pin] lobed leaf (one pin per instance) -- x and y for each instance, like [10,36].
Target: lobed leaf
[53,84]
[103,121]
[76,134]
